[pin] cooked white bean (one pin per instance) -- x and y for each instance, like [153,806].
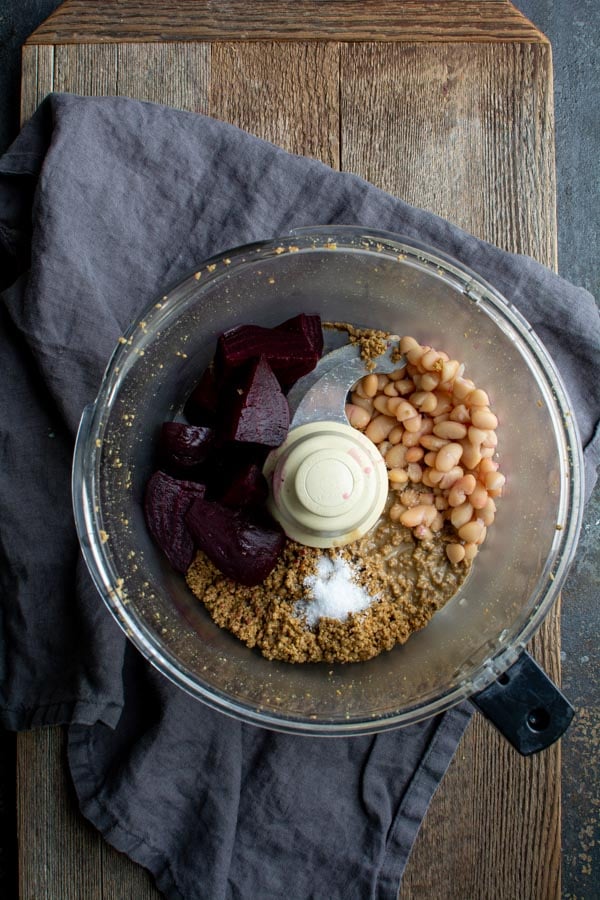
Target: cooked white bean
[448,456]
[413,516]
[415,472]
[471,455]
[494,481]
[450,369]
[471,531]
[462,514]
[395,435]
[405,410]
[461,489]
[398,476]
[430,360]
[471,551]
[380,403]
[390,389]
[379,428]
[443,404]
[431,442]
[450,478]
[454,431]
[460,413]
[413,425]
[397,374]
[395,457]
[408,343]
[428,381]
[482,417]
[477,398]
[391,404]
[405,386]
[488,513]
[358,417]
[414,454]
[477,436]
[396,510]
[478,497]
[369,385]
[426,401]
[455,553]
[363,402]
[461,388]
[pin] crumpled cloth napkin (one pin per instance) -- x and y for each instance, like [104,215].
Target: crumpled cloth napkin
[103,201]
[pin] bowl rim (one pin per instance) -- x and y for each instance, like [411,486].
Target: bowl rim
[85,495]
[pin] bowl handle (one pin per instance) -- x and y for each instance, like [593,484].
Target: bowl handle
[525,706]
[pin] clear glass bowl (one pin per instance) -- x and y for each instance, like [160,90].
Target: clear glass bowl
[373,279]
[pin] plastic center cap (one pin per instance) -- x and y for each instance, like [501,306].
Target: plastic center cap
[328,482]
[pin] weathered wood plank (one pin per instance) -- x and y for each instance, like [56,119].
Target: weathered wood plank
[295,20]
[463,130]
[37,78]
[286,93]
[175,74]
[86,69]
[59,853]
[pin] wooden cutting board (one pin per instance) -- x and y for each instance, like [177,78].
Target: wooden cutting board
[447,105]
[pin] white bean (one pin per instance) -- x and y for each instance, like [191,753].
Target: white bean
[448,457]
[379,428]
[358,418]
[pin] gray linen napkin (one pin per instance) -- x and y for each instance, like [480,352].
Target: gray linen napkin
[104,201]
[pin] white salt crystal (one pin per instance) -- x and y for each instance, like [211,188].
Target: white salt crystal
[333,592]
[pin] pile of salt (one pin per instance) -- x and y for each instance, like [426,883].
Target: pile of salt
[333,592]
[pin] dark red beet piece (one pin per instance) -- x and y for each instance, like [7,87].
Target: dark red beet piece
[242,546]
[166,502]
[185,445]
[258,412]
[248,488]
[309,326]
[290,354]
[202,404]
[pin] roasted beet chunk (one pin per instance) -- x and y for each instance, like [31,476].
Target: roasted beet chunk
[248,488]
[309,326]
[202,404]
[166,503]
[185,445]
[243,546]
[290,354]
[259,412]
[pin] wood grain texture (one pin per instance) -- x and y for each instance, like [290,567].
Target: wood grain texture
[297,20]
[445,127]
[61,857]
[286,93]
[49,835]
[465,130]
[160,73]
[37,77]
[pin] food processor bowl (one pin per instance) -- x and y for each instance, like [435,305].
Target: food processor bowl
[371,279]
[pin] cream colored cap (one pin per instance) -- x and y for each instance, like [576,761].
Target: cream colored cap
[328,484]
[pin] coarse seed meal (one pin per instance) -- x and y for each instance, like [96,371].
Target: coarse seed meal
[412,579]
